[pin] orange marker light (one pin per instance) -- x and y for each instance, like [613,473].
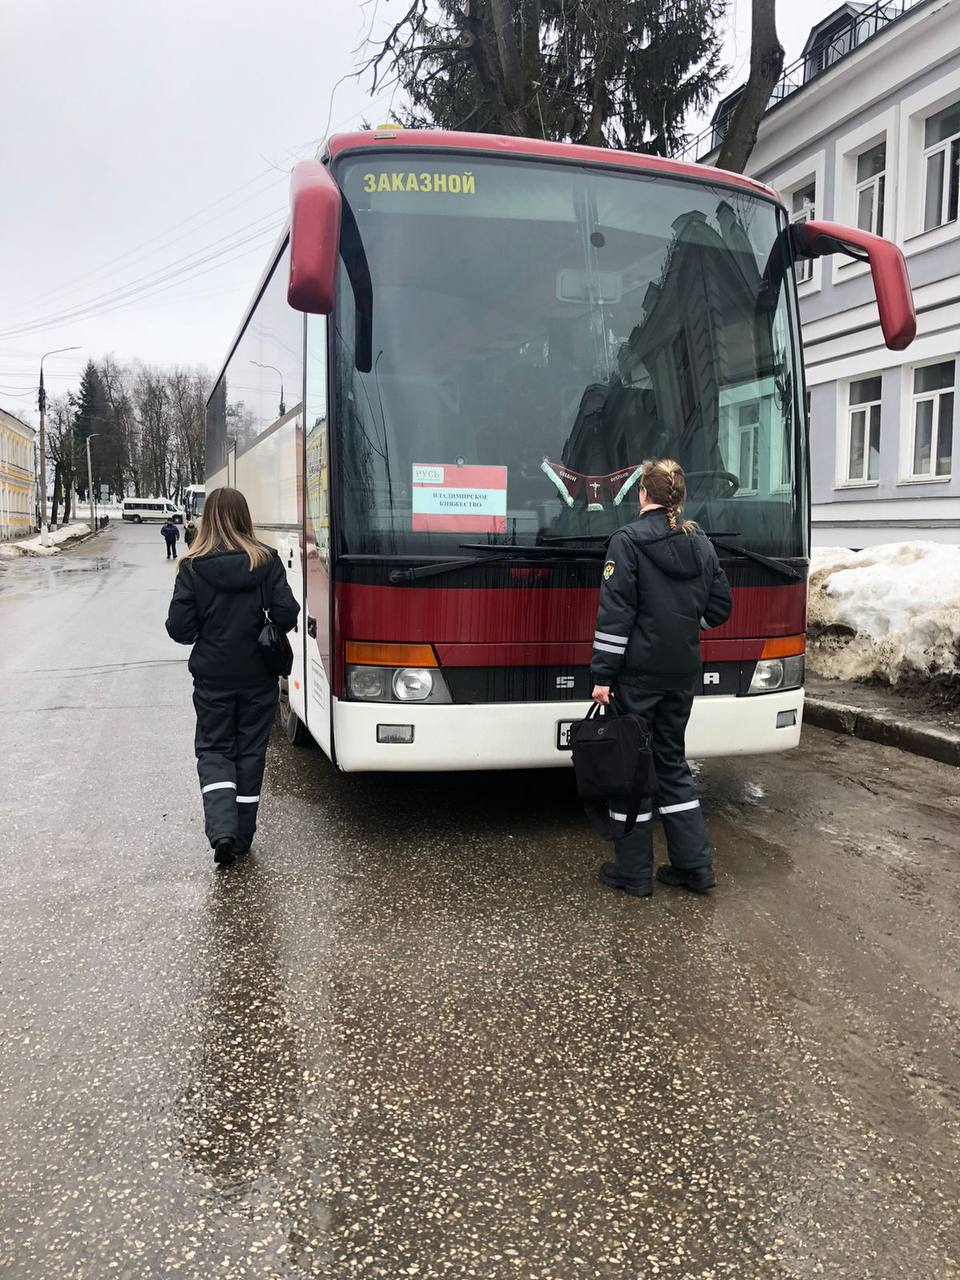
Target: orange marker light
[370,654]
[783,647]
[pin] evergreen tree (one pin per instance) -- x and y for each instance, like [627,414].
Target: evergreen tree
[617,73]
[90,418]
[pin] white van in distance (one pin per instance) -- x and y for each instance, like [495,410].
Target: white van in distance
[139,509]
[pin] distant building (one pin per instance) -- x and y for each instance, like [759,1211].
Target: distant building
[18,485]
[865,129]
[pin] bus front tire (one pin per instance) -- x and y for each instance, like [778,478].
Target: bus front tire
[137,519]
[293,726]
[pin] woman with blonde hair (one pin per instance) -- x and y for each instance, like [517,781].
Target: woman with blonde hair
[225,583]
[662,584]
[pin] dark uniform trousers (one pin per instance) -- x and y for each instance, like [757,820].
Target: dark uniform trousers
[667,714]
[233,729]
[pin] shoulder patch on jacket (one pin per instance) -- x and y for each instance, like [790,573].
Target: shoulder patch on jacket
[608,569]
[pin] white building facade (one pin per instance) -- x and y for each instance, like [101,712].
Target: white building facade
[865,130]
[18,486]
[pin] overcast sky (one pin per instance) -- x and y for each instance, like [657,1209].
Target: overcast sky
[144,160]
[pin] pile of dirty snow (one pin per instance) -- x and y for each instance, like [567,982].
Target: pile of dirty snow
[34,546]
[890,611]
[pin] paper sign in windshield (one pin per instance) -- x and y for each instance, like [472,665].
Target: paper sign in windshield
[452,499]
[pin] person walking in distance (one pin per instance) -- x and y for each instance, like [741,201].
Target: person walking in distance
[662,583]
[225,582]
[171,536]
[189,532]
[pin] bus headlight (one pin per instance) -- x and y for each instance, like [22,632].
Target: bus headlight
[771,674]
[395,684]
[413,684]
[368,684]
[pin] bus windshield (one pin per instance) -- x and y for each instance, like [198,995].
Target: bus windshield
[193,498]
[513,339]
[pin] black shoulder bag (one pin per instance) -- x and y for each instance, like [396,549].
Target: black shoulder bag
[612,758]
[272,643]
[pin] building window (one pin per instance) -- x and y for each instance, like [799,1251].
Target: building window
[863,432]
[931,442]
[871,180]
[832,43]
[803,204]
[748,454]
[941,167]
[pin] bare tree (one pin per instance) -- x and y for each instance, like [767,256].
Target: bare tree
[150,405]
[153,426]
[59,435]
[187,390]
[766,64]
[122,424]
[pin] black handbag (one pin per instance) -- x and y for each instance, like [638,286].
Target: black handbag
[272,643]
[612,758]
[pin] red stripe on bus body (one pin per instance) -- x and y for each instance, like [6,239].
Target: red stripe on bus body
[577,654]
[730,650]
[514,655]
[541,615]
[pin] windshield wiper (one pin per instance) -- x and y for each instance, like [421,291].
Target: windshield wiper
[549,540]
[440,566]
[778,566]
[496,554]
[517,548]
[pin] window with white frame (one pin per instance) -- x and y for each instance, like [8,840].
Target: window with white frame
[931,421]
[871,181]
[862,463]
[803,205]
[941,167]
[748,451]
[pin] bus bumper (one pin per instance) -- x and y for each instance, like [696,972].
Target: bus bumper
[524,735]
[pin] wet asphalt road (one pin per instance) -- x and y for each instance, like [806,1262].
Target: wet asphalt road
[413,1037]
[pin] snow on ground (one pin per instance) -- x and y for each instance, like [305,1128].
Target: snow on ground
[34,546]
[890,611]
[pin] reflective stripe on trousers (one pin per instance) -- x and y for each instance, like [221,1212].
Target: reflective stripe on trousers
[678,805]
[233,729]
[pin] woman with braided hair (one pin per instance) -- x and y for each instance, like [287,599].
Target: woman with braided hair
[662,584]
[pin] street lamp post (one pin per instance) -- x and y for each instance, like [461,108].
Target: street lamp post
[42,405]
[283,407]
[93,526]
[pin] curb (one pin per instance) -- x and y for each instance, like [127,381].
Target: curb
[921,740]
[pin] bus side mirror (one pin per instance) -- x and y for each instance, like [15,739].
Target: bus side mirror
[314,238]
[898,319]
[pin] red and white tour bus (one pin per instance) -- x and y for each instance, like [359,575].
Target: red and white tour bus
[481,339]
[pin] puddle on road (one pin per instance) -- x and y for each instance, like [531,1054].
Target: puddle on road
[752,793]
[94,567]
[20,576]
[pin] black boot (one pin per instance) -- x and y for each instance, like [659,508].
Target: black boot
[697,879]
[223,853]
[614,877]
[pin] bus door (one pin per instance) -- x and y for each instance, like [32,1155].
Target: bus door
[316,537]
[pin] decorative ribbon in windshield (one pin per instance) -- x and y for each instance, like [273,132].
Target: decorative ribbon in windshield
[596,490]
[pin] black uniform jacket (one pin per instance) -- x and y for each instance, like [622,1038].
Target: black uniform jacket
[217,607]
[660,588]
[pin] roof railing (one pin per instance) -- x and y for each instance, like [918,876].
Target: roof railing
[841,42]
